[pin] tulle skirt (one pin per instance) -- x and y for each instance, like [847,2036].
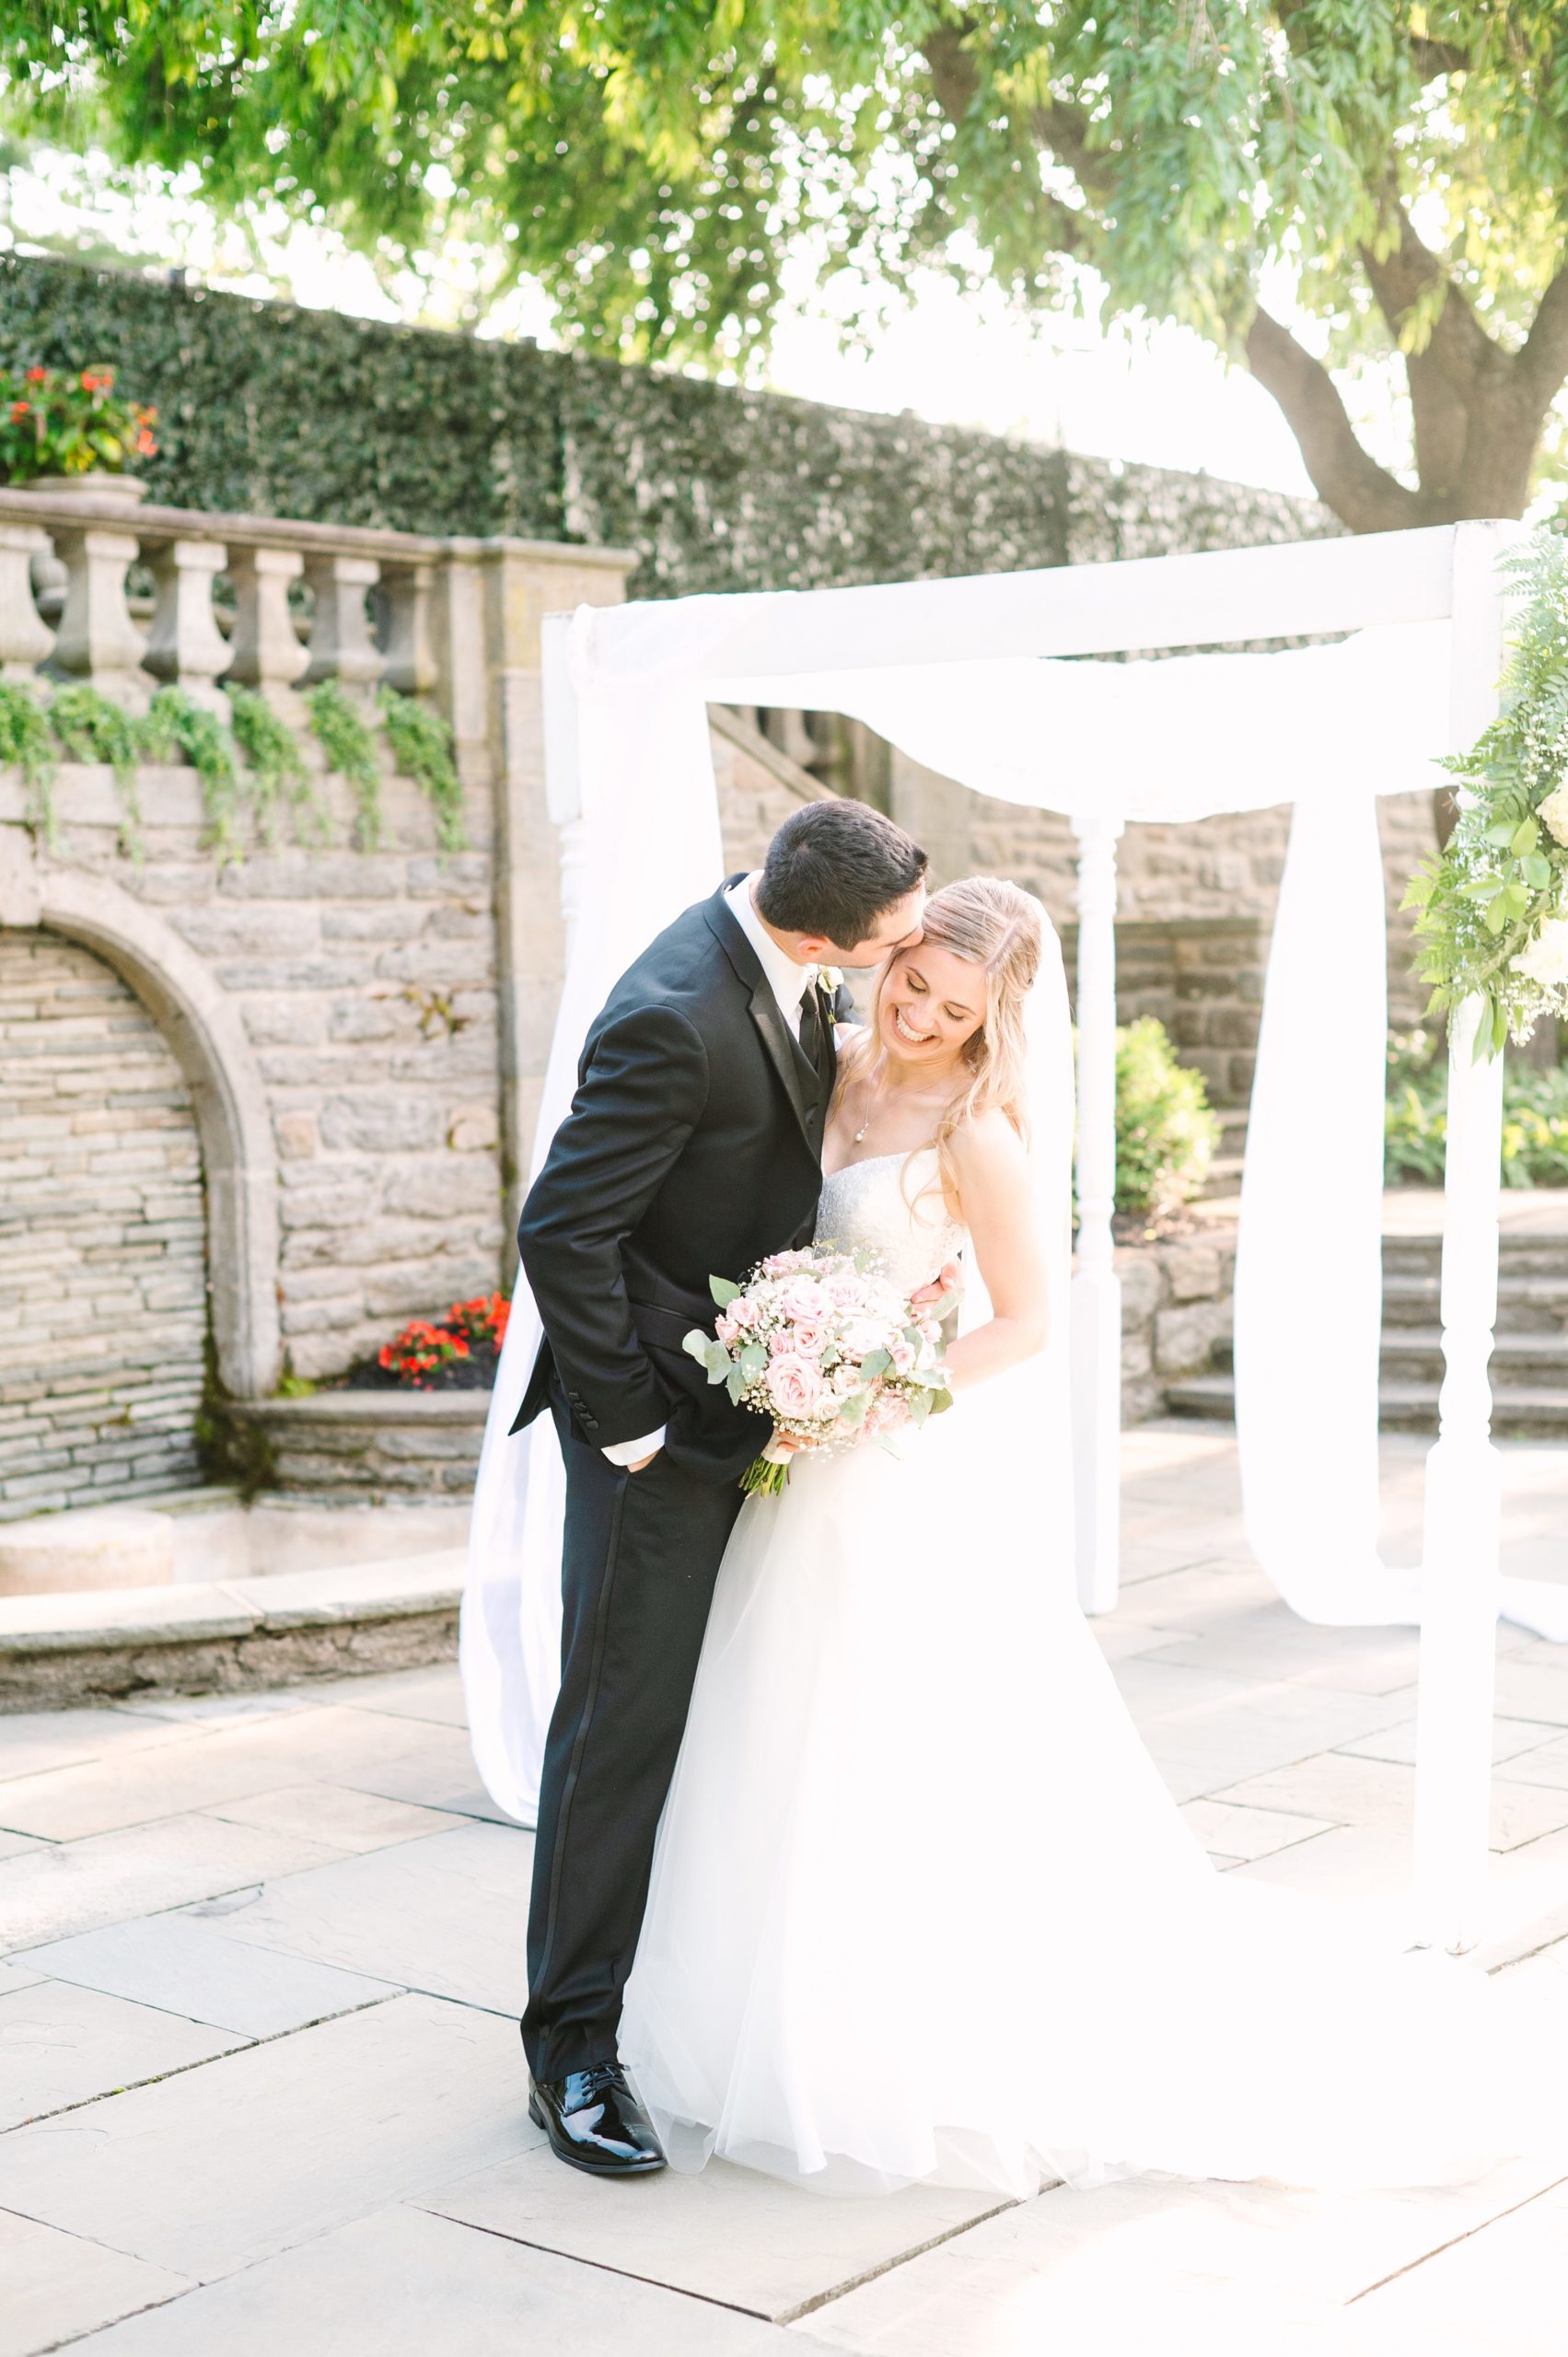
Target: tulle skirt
[921,1909]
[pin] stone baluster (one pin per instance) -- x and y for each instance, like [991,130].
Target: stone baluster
[411,665]
[185,643]
[25,637]
[341,646]
[97,639]
[265,652]
[1096,1321]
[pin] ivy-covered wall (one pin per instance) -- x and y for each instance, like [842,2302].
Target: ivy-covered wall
[273,409]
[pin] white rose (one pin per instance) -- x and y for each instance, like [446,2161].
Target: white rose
[1553,813]
[1545,959]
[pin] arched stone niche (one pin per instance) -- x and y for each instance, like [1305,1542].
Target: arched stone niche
[209,1042]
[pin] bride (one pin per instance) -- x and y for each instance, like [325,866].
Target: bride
[921,1909]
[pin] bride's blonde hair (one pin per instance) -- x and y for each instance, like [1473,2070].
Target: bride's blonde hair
[996,926]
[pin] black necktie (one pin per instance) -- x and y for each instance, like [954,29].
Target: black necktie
[815,1035]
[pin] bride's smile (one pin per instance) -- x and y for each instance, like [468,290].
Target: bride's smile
[931,1007]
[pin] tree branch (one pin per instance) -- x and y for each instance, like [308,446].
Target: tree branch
[1542,364]
[1360,493]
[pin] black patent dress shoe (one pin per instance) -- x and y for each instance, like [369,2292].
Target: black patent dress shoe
[595,2122]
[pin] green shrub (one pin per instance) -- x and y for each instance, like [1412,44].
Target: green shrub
[1165,1134]
[1534,1116]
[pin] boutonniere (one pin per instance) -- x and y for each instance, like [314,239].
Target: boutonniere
[829,981]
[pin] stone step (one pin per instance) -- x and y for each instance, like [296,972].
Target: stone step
[1525,1305]
[59,1652]
[1414,1354]
[1520,1254]
[1519,1411]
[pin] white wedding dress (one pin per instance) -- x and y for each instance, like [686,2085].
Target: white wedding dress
[921,1908]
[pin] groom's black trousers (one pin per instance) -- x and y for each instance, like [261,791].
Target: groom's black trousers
[641,1554]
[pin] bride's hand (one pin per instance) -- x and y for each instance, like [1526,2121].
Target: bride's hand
[783,1446]
[941,1288]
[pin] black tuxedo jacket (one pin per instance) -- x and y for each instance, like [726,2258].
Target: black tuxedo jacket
[692,1149]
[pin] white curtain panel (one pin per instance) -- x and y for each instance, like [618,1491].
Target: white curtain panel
[1326,728]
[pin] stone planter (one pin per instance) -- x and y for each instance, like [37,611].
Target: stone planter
[95,489]
[1176,1310]
[366,1448]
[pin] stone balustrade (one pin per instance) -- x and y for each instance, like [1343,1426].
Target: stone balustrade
[399,609]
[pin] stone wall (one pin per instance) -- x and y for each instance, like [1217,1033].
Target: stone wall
[102,1274]
[367,985]
[1196,905]
[1176,1305]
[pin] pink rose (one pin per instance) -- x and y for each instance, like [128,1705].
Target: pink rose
[795,1389]
[725,1328]
[803,1301]
[806,1336]
[863,1335]
[903,1356]
[847,1293]
[742,1311]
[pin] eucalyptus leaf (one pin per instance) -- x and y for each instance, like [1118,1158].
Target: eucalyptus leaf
[723,1291]
[736,1382]
[753,1358]
[697,1345]
[875,1362]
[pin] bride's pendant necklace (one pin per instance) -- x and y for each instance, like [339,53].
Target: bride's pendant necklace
[870,1111]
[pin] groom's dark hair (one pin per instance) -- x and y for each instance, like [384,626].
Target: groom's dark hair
[833,867]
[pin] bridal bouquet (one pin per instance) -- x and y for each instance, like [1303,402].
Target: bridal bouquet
[826,1348]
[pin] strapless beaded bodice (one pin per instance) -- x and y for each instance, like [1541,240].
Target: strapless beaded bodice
[880,1205]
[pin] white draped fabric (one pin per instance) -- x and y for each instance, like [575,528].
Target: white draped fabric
[1326,728]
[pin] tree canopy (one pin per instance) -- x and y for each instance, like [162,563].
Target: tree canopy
[1389,176]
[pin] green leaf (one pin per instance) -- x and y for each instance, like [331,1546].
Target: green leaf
[940,1402]
[718,1362]
[1537,872]
[753,1358]
[1525,837]
[875,1362]
[736,1384]
[851,1411]
[697,1345]
[1501,832]
[1496,915]
[723,1291]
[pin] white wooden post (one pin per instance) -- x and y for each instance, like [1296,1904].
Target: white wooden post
[1463,1498]
[562,779]
[1097,1288]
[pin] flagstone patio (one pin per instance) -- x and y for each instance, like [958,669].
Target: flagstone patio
[260,2087]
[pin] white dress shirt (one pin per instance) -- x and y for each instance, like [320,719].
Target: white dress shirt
[788,980]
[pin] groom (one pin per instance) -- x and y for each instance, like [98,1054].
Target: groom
[693,1148]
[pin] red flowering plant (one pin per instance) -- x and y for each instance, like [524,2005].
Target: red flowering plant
[458,1351]
[69,422]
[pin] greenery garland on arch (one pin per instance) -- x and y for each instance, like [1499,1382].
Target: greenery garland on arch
[1492,905]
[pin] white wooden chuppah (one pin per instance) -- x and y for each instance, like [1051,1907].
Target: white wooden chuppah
[1443,575]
